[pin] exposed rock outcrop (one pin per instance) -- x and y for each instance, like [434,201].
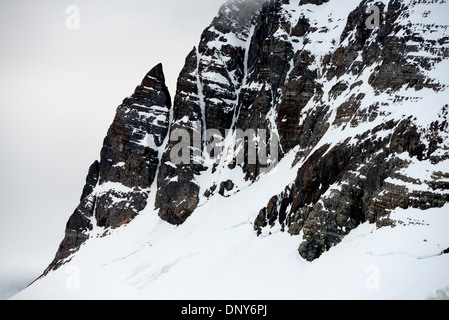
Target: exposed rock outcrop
[206,98]
[350,179]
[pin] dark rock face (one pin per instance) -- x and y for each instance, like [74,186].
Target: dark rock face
[340,186]
[118,185]
[317,2]
[177,195]
[226,186]
[130,154]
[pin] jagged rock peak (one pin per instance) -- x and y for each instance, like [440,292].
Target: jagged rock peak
[325,84]
[117,186]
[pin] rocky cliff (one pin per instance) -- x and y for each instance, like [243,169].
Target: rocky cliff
[362,108]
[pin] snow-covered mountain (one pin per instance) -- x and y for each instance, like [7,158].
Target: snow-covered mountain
[305,155]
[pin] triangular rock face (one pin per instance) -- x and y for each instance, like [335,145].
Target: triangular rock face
[343,96]
[118,185]
[350,105]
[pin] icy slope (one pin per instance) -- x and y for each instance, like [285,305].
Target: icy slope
[215,255]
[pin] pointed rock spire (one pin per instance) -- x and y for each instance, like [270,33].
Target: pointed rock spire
[117,186]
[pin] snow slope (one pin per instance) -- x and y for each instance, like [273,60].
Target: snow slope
[216,255]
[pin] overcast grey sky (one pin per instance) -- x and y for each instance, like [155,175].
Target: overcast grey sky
[59,89]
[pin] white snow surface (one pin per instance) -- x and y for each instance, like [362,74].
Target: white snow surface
[216,254]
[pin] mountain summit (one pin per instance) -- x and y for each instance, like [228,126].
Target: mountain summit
[117,186]
[304,134]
